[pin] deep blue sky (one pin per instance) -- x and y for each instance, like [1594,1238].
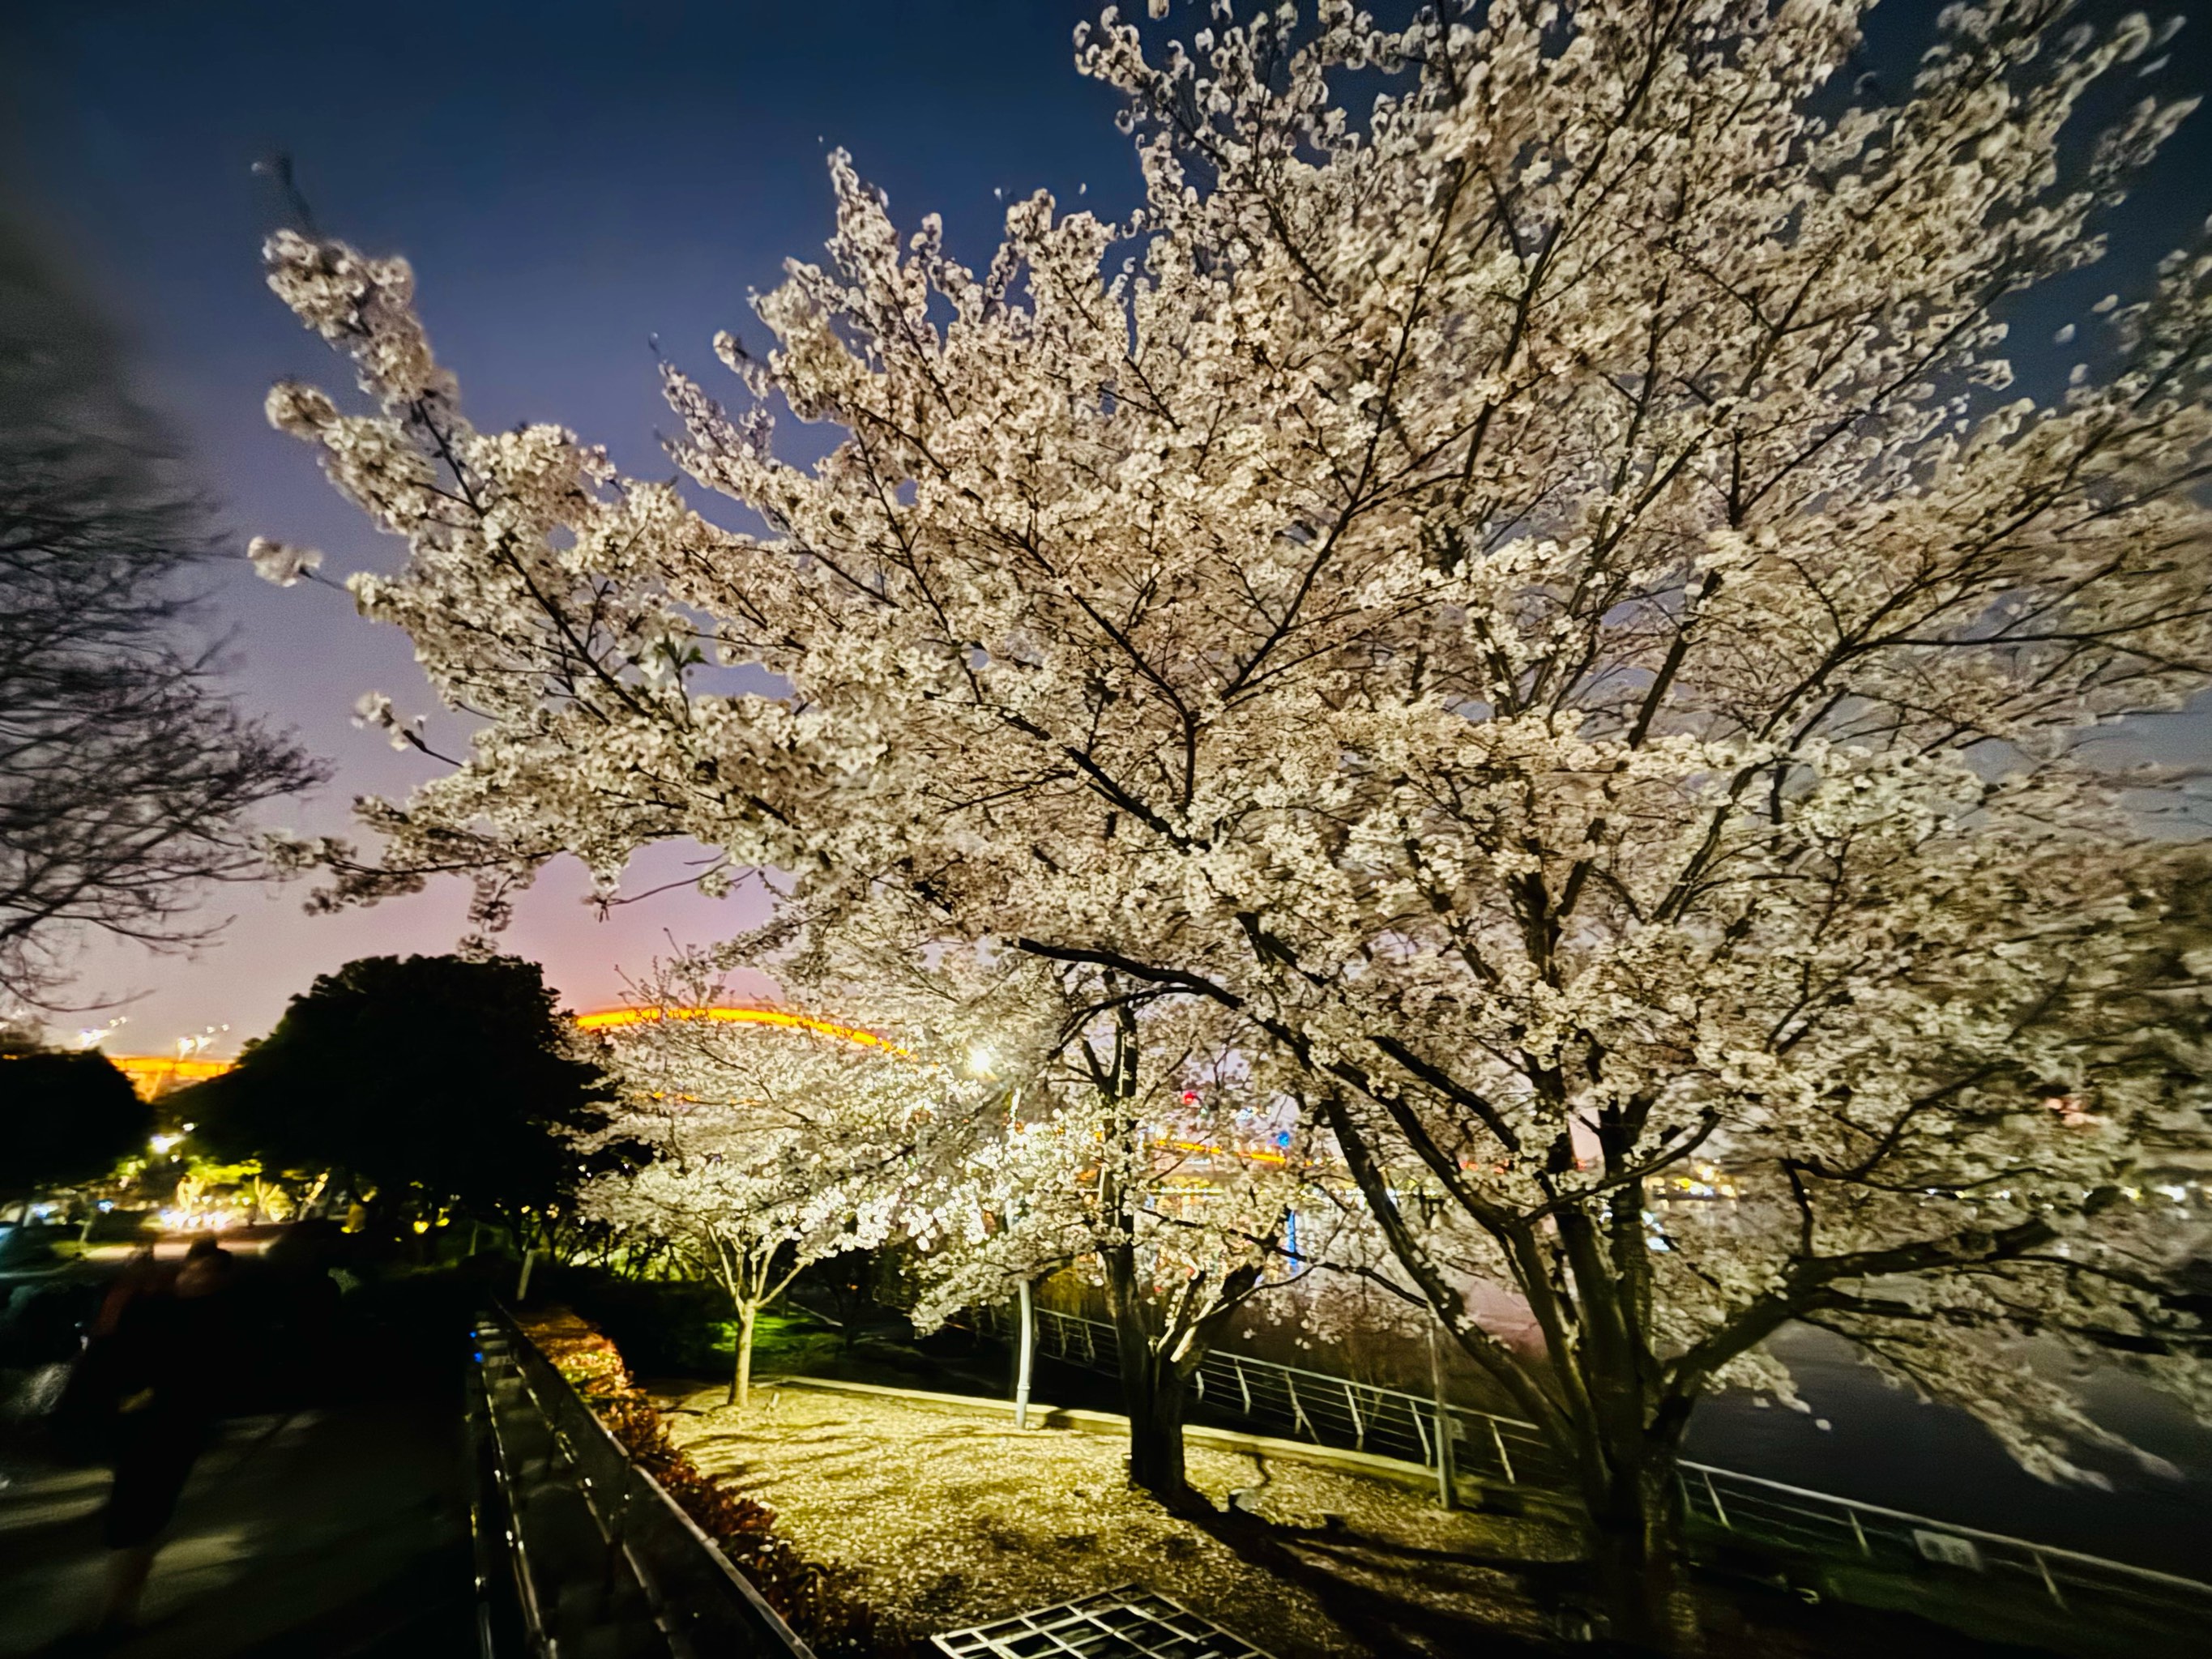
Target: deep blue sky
[569,179]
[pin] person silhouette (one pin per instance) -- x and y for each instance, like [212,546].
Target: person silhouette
[171,1345]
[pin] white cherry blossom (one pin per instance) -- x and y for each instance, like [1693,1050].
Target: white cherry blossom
[1541,603]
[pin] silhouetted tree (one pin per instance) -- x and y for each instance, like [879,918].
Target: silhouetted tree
[421,1082]
[65,1118]
[125,777]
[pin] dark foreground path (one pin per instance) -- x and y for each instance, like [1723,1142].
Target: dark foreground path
[335,1529]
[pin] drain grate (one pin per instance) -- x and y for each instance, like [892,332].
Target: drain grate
[1128,1623]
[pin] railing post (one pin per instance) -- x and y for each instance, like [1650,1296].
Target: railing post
[1504,1459]
[1358,1422]
[1718,1507]
[1859,1532]
[1029,1353]
[2049,1583]
[1298,1412]
[1243,1388]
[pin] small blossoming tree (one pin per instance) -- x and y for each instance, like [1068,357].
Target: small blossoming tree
[1139,1140]
[759,1149]
[1541,600]
[1140,1149]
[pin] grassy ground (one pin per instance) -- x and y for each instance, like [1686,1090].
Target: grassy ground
[943,1522]
[679,1328]
[792,1342]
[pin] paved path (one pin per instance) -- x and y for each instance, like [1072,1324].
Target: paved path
[335,1531]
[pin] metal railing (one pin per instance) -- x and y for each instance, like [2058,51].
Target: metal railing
[601,1557]
[1318,1405]
[1721,1505]
[1844,1529]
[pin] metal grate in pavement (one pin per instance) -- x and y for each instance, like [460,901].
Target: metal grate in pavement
[1128,1623]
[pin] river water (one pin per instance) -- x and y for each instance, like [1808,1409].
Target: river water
[1882,1446]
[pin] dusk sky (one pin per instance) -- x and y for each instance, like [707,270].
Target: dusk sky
[570,181]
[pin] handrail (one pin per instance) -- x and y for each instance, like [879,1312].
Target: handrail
[1368,1416]
[700,1599]
[1330,1377]
[2103,1562]
[1841,1511]
[499,1463]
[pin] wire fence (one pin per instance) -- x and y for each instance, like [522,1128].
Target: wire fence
[1721,1505]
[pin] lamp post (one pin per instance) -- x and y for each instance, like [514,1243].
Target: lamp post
[1028,1356]
[1446,1446]
[1025,1363]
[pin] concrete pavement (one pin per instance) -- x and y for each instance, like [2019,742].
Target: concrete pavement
[340,1531]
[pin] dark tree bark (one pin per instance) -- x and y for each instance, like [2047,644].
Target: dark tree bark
[1160,1340]
[1154,1389]
[1154,1396]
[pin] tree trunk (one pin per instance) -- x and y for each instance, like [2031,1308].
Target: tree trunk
[1153,1390]
[741,1379]
[1154,1393]
[1636,1554]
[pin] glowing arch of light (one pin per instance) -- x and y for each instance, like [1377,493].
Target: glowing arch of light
[616,1018]
[155,1075]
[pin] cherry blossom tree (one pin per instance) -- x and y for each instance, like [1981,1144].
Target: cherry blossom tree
[1139,1151]
[1544,601]
[762,1147]
[1134,1138]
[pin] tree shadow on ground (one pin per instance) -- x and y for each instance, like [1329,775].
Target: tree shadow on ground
[1396,1597]
[1393,1594]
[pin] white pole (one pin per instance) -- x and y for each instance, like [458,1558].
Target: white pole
[1447,1485]
[1029,1353]
[522,1289]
